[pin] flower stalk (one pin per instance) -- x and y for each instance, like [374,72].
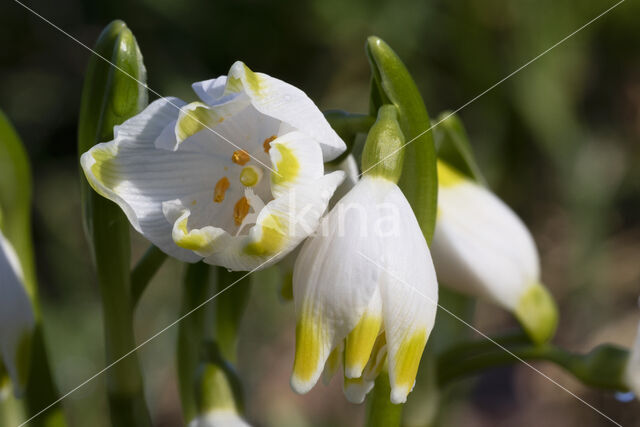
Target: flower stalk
[110,97]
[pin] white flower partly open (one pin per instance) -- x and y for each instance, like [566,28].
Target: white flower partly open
[480,247]
[365,291]
[236,178]
[16,318]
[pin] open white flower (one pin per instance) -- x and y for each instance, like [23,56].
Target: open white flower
[17,319]
[480,247]
[632,371]
[365,289]
[236,178]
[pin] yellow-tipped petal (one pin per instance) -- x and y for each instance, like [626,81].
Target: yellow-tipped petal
[194,118]
[402,374]
[537,313]
[312,344]
[359,344]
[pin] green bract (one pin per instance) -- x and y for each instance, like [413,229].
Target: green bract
[419,180]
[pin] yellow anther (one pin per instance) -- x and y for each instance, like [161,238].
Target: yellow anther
[240,157]
[250,176]
[221,187]
[267,143]
[240,210]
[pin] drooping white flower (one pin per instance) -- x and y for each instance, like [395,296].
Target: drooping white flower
[632,371]
[236,178]
[480,247]
[219,418]
[17,319]
[364,289]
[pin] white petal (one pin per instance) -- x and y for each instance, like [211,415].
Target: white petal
[210,91]
[409,297]
[287,103]
[356,389]
[16,317]
[632,373]
[296,160]
[219,418]
[480,247]
[332,283]
[281,225]
[139,177]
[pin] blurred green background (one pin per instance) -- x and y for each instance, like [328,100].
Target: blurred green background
[558,141]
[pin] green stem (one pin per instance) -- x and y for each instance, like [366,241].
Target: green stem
[603,367]
[191,335]
[468,349]
[144,271]
[230,306]
[347,126]
[380,411]
[112,254]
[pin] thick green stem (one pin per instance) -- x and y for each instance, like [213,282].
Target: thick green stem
[191,335]
[144,271]
[380,411]
[230,306]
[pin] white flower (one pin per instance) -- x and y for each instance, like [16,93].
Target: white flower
[17,319]
[480,247]
[219,418]
[236,179]
[364,289]
[632,371]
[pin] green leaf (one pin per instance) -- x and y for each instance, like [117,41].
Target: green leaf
[15,199]
[112,94]
[419,180]
[452,144]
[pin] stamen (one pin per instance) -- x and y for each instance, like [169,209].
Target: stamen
[250,176]
[221,187]
[267,143]
[240,210]
[240,157]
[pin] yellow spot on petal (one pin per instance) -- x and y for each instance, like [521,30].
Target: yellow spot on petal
[267,143]
[448,176]
[272,239]
[240,210]
[287,167]
[104,169]
[408,358]
[250,176]
[194,118]
[220,189]
[359,344]
[194,202]
[240,157]
[194,240]
[310,338]
[537,313]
